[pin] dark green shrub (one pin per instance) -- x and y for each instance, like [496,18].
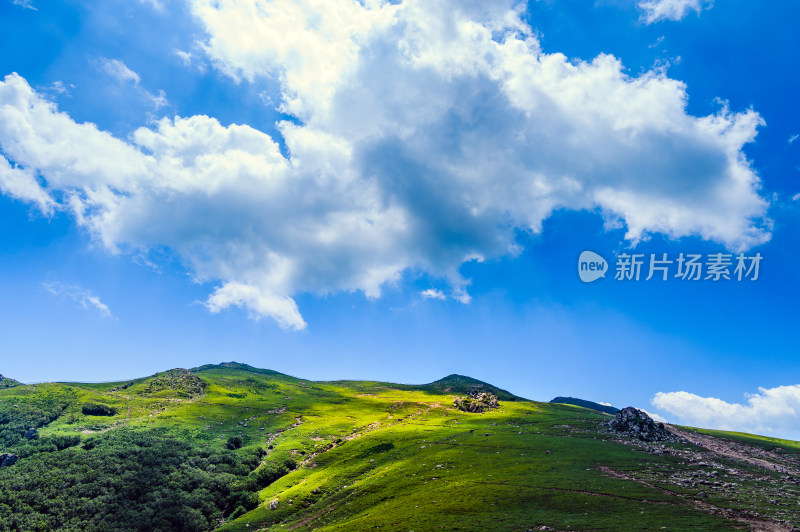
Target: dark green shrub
[234,442]
[94,409]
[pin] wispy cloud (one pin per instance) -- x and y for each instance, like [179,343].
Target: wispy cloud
[433,293]
[793,138]
[658,10]
[186,57]
[159,100]
[119,71]
[771,411]
[24,3]
[85,298]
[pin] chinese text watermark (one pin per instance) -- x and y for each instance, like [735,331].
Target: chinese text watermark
[662,267]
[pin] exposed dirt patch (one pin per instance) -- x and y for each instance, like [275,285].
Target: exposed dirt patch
[730,449]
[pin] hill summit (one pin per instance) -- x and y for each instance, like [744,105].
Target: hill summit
[463,385]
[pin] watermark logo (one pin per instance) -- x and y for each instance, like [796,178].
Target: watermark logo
[591,266]
[713,267]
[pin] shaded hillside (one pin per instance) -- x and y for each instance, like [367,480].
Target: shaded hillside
[259,450]
[586,404]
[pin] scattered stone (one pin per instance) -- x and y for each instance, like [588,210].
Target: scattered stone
[274,504]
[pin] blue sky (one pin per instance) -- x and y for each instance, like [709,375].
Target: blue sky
[399,191]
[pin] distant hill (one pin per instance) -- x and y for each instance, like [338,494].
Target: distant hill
[6,382]
[586,404]
[463,385]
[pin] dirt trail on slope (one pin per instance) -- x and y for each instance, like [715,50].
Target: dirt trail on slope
[730,449]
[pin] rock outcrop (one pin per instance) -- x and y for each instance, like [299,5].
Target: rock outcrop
[637,423]
[477,403]
[175,382]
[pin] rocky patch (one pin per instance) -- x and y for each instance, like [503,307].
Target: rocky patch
[638,424]
[476,403]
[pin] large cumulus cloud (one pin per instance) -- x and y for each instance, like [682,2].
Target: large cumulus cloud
[770,411]
[426,134]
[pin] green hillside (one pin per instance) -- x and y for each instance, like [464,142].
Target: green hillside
[232,447]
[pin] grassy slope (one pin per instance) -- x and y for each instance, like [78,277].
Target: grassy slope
[376,455]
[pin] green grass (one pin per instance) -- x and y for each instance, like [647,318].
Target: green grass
[374,455]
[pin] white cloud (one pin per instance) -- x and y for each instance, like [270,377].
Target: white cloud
[119,71]
[282,309]
[604,404]
[24,4]
[658,10]
[796,197]
[433,293]
[793,138]
[83,297]
[429,133]
[771,411]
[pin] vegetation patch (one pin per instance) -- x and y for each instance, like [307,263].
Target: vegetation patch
[126,481]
